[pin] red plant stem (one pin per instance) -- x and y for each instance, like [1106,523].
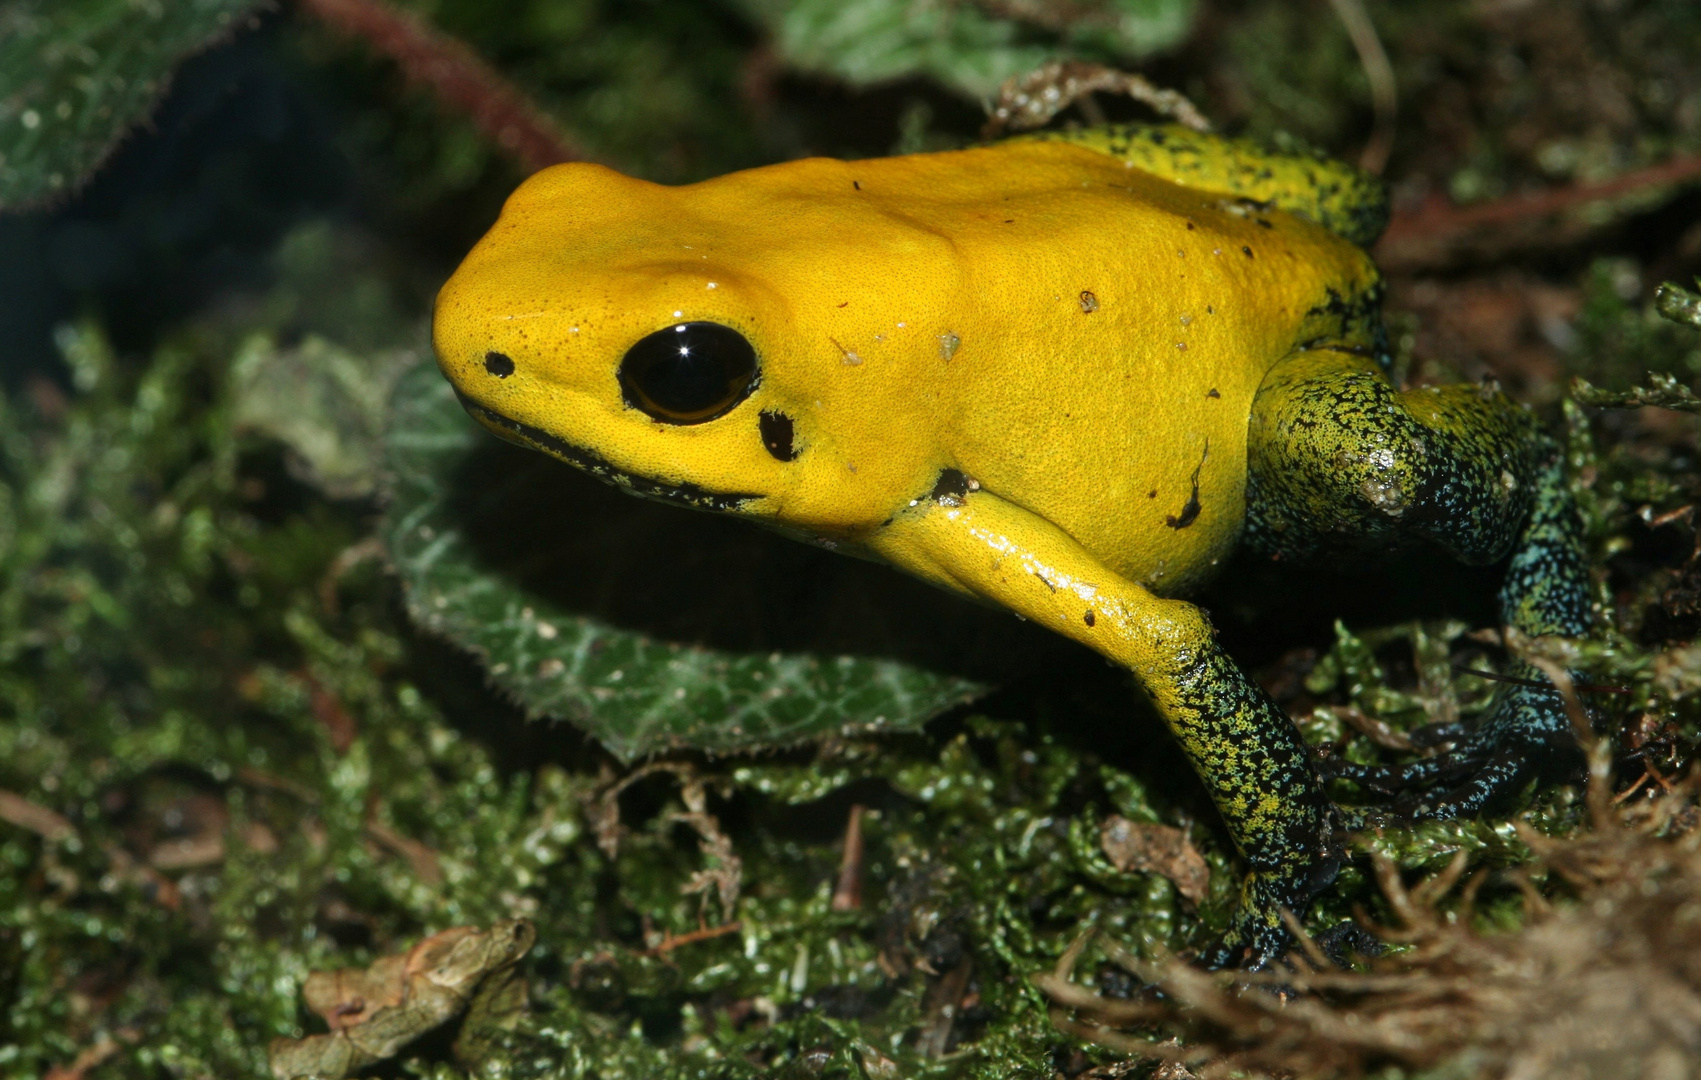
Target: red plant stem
[1436,223]
[673,941]
[464,82]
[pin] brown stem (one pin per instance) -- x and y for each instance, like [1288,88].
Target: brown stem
[1426,237]
[463,81]
[674,941]
[847,896]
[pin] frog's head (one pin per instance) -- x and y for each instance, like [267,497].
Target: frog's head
[751,343]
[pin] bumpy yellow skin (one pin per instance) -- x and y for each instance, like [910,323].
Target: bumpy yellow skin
[913,314]
[1023,372]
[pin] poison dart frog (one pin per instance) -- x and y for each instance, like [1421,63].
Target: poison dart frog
[1064,374]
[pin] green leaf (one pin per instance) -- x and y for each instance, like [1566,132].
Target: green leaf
[969,48]
[75,75]
[543,573]
[325,403]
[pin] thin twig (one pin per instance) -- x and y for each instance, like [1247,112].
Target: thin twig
[38,819]
[847,895]
[674,941]
[421,858]
[1379,73]
[1030,101]
[1581,688]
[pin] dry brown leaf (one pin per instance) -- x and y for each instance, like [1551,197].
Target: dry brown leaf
[375,1011]
[1156,849]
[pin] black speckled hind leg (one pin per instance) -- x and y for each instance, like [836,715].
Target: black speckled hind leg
[1339,458]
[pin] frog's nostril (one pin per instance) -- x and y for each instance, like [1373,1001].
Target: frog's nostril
[498,364]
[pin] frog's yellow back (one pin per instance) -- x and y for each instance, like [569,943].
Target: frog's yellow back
[1039,319]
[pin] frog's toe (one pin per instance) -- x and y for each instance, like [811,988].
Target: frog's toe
[1393,779]
[1482,784]
[1524,737]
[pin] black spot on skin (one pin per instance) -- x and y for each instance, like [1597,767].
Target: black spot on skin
[1190,512]
[1152,494]
[951,488]
[1089,618]
[498,364]
[1089,303]
[1246,251]
[1190,226]
[856,184]
[776,428]
[1264,223]
[1212,393]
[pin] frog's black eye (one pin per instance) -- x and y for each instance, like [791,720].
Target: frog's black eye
[688,373]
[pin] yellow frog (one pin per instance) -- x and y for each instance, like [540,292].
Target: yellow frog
[1064,374]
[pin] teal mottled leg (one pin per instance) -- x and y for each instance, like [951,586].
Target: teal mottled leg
[1339,458]
[1261,775]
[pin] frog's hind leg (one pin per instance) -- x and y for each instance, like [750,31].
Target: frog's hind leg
[1339,458]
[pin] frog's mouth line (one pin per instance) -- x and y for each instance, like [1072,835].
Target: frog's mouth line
[683,494]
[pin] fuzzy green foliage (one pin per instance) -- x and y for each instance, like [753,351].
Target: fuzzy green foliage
[636,694]
[1678,304]
[1468,98]
[76,75]
[1619,342]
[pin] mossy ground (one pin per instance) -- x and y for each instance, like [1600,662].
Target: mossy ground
[228,757]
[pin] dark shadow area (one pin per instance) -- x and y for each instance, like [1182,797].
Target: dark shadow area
[717,581]
[1263,609]
[188,206]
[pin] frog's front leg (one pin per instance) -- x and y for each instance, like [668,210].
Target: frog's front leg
[1250,756]
[1339,457]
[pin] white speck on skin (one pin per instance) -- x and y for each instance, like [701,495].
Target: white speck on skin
[712,285]
[678,314]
